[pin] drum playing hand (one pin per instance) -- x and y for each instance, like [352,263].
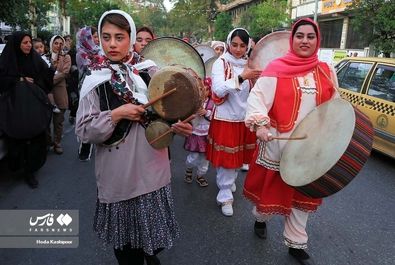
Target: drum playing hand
[201,112]
[249,73]
[182,128]
[264,134]
[127,111]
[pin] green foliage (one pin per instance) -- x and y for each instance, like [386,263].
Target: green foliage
[193,18]
[8,8]
[265,17]
[88,12]
[223,25]
[378,14]
[16,12]
[153,17]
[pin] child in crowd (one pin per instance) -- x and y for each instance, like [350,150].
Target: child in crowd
[196,143]
[39,47]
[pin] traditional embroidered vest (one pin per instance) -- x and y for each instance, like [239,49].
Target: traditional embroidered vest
[287,98]
[228,74]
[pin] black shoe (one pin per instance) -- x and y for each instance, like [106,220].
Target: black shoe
[301,256]
[260,229]
[31,180]
[85,151]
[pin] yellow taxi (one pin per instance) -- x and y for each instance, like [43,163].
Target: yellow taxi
[369,84]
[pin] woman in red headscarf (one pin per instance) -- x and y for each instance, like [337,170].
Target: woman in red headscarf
[288,89]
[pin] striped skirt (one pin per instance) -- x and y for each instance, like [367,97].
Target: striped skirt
[230,144]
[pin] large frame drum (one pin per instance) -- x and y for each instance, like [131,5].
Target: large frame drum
[185,101]
[339,143]
[270,47]
[168,51]
[206,52]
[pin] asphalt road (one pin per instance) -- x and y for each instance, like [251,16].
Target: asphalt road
[354,226]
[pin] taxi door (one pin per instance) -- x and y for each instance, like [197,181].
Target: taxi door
[378,102]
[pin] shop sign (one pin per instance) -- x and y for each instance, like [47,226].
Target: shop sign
[332,6]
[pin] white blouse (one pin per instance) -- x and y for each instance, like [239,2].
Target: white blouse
[234,107]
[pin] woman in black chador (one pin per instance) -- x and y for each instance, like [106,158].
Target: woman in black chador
[19,63]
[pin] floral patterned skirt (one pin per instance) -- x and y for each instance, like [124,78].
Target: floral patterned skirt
[146,222]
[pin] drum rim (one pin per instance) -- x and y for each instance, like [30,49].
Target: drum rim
[213,59]
[210,48]
[151,43]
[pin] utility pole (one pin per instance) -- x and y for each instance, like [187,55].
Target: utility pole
[315,10]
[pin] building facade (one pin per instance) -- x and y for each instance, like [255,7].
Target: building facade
[236,8]
[334,20]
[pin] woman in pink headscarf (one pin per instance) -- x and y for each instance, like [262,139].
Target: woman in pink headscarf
[288,89]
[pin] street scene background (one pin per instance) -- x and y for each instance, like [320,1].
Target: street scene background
[354,226]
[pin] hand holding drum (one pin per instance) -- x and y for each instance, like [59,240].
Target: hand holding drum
[250,73]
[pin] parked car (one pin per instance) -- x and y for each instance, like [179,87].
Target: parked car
[369,84]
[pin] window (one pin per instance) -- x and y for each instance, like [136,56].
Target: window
[383,83]
[331,33]
[352,76]
[340,65]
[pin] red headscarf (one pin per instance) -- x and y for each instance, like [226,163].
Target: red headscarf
[292,65]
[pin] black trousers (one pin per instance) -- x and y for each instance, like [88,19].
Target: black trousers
[129,256]
[29,155]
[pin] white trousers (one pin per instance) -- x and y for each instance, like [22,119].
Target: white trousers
[225,179]
[295,235]
[198,160]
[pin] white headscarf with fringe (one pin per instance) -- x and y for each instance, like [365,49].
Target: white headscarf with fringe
[103,75]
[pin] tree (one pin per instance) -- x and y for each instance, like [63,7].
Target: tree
[194,18]
[87,12]
[265,17]
[153,17]
[27,14]
[379,14]
[7,11]
[223,25]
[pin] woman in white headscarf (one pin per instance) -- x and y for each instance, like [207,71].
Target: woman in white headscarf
[218,46]
[134,211]
[61,62]
[228,147]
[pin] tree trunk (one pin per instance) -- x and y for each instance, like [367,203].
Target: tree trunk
[62,16]
[33,19]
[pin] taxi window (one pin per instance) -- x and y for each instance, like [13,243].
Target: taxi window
[351,76]
[340,65]
[383,83]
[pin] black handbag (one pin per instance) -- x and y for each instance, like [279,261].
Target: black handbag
[25,112]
